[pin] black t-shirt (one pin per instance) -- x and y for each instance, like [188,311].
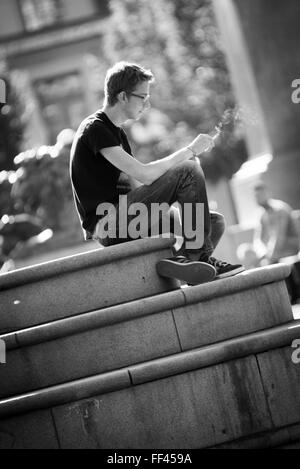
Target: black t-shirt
[94,178]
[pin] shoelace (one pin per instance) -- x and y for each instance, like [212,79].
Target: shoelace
[216,262]
[180,259]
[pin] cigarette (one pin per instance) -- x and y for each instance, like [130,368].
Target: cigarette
[216,132]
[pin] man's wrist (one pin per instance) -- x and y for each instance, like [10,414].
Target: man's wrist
[193,151]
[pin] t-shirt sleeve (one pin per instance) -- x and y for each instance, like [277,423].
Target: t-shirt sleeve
[99,136]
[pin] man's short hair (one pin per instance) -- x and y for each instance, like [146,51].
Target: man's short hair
[124,76]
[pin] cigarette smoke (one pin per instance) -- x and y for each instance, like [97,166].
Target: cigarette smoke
[239,115]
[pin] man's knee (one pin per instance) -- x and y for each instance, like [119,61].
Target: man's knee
[218,220]
[189,165]
[188,169]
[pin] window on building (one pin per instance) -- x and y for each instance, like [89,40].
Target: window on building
[38,14]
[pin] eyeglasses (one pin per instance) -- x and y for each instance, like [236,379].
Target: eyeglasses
[144,98]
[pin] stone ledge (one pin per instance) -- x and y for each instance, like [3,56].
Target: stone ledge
[143,307]
[65,393]
[265,440]
[122,273]
[226,350]
[250,344]
[243,281]
[95,258]
[95,319]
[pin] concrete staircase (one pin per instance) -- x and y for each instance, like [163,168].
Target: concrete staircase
[104,353]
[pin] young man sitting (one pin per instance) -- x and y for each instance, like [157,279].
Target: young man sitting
[101,152]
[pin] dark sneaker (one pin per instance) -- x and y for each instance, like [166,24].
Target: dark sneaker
[191,272]
[224,269]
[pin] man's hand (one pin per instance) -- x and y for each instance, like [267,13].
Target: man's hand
[148,173]
[202,143]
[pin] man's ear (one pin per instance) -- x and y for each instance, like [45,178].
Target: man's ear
[122,97]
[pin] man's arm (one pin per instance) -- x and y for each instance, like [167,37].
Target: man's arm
[260,239]
[277,243]
[148,173]
[262,230]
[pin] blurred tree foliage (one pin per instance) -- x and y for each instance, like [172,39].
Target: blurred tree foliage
[40,189]
[12,119]
[34,182]
[179,41]
[43,186]
[6,201]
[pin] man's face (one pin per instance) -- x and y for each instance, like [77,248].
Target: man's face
[138,101]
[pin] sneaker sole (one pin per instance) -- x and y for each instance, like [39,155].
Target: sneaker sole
[236,271]
[192,273]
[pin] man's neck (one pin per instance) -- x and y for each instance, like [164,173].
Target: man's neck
[114,114]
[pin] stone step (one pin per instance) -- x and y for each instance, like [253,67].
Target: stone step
[84,282]
[205,397]
[283,437]
[143,330]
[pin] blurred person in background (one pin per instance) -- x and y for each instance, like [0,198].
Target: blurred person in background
[277,233]
[276,237]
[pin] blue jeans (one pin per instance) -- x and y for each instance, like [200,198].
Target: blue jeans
[184,183]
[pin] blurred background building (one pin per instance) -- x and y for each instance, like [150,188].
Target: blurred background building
[207,56]
[48,39]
